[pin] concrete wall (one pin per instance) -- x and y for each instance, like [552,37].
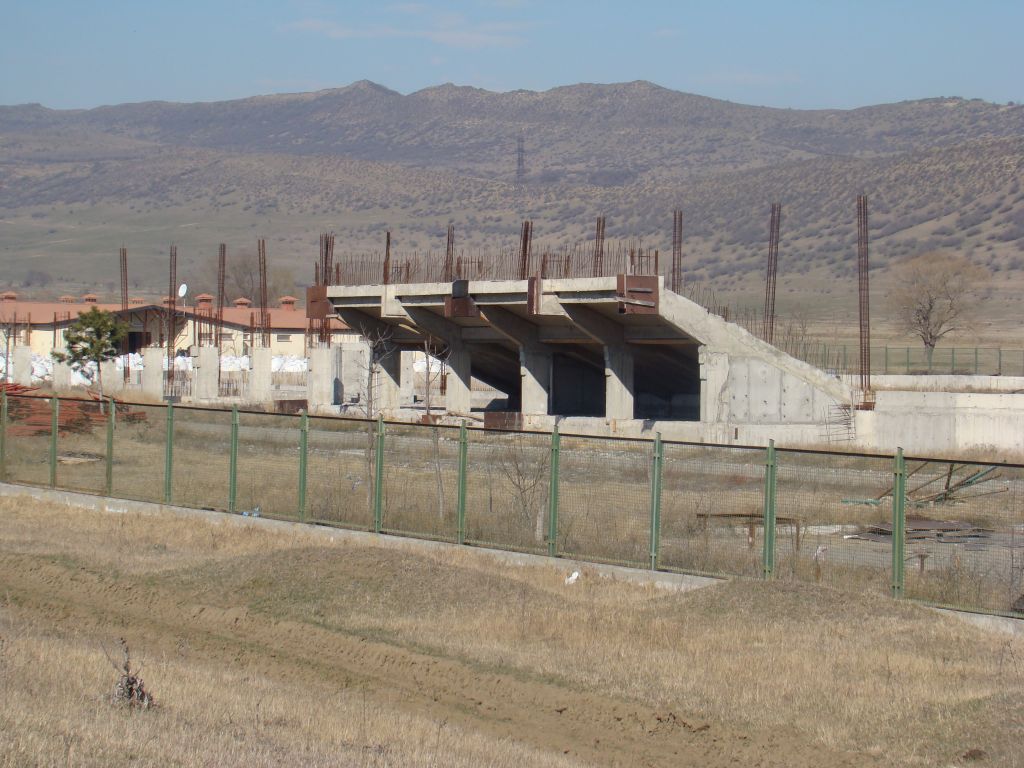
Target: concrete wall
[942,383]
[932,423]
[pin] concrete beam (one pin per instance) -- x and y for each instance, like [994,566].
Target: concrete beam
[595,325]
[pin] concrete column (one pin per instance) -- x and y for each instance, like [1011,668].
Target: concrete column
[389,383]
[355,368]
[458,393]
[407,379]
[113,379]
[618,378]
[61,377]
[153,372]
[261,390]
[535,373]
[323,385]
[22,359]
[206,366]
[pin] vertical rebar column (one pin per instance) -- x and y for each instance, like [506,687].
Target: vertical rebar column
[525,246]
[449,254]
[387,259]
[125,367]
[378,479]
[770,478]
[773,267]
[233,462]
[3,435]
[863,294]
[899,522]
[598,265]
[303,462]
[463,468]
[218,332]
[111,417]
[657,465]
[677,251]
[169,453]
[553,494]
[54,423]
[172,298]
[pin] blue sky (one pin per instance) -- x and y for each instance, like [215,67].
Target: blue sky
[793,53]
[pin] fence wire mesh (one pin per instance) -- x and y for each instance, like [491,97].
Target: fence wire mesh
[712,510]
[507,488]
[830,511]
[340,472]
[267,478]
[28,439]
[202,458]
[604,500]
[140,439]
[834,512]
[81,446]
[421,480]
[965,535]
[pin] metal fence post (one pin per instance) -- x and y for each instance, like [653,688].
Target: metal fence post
[3,435]
[975,361]
[908,359]
[378,479]
[463,460]
[109,480]
[233,461]
[887,359]
[169,453]
[999,358]
[54,410]
[952,361]
[899,522]
[303,462]
[658,460]
[770,477]
[556,443]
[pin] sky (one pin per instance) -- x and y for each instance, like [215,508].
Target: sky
[787,53]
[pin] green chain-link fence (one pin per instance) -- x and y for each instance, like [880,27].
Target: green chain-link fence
[946,533]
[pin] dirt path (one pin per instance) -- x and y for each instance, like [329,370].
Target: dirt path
[595,729]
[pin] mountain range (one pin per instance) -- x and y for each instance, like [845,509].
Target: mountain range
[359,160]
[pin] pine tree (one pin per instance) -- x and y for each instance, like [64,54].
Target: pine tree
[93,338]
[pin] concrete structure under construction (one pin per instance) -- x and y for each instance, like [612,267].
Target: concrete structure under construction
[617,354]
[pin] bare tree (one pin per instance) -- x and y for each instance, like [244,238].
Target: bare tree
[935,294]
[380,347]
[433,374]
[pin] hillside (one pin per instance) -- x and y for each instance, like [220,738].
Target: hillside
[76,184]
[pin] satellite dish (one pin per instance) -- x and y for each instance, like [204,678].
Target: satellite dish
[182,290]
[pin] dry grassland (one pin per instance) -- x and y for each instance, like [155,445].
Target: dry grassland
[269,647]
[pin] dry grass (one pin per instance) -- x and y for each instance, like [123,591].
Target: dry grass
[860,673]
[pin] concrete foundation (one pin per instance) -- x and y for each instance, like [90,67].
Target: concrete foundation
[261,388]
[323,387]
[206,373]
[153,372]
[113,379]
[21,357]
[61,377]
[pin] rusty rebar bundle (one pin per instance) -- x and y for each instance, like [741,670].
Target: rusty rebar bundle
[598,258]
[387,258]
[172,301]
[863,293]
[773,268]
[676,277]
[123,256]
[525,248]
[449,254]
[264,309]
